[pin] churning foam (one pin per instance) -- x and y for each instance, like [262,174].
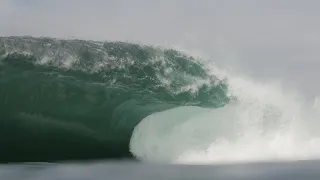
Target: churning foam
[266,123]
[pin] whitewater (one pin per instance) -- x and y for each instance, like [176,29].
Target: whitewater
[266,122]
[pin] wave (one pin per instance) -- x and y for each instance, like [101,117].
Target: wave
[75,99]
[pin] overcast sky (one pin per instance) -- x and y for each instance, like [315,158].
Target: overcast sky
[265,38]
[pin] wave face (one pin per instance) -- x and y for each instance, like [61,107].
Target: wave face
[74,99]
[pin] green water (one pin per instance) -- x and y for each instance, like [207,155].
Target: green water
[74,99]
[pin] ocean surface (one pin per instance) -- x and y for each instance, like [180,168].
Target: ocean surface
[118,170]
[75,100]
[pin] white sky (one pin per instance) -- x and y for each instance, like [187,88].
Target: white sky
[265,38]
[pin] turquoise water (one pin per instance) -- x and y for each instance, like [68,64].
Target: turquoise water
[75,99]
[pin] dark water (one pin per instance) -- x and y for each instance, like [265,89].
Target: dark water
[75,100]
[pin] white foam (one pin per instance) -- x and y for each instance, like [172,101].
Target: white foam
[267,123]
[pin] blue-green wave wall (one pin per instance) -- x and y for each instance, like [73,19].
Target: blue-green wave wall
[75,99]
